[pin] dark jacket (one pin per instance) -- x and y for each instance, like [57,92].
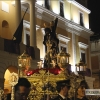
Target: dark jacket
[98,98]
[60,98]
[8,96]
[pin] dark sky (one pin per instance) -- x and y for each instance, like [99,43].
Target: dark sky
[94,17]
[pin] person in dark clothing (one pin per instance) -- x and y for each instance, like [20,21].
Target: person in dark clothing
[62,88]
[98,98]
[80,91]
[22,89]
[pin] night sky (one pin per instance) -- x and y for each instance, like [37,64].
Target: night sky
[94,17]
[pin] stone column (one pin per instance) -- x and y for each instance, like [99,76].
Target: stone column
[17,12]
[32,24]
[73,50]
[33,45]
[43,53]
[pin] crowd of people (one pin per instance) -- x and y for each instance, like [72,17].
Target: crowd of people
[23,87]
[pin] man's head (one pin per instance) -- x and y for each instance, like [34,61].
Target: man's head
[81,89]
[63,87]
[22,89]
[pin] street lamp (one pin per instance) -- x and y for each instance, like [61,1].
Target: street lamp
[81,67]
[23,63]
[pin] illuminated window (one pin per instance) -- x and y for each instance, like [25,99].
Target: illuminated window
[27,39]
[5,7]
[62,8]
[47,4]
[63,46]
[81,19]
[83,56]
[83,53]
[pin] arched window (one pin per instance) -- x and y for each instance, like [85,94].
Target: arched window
[5,23]
[5,30]
[7,86]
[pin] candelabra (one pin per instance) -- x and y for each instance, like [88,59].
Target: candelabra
[1,93]
[13,80]
[81,67]
[24,63]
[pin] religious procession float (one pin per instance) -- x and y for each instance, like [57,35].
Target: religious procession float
[53,68]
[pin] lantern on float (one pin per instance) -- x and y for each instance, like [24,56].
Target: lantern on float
[24,63]
[81,67]
[63,58]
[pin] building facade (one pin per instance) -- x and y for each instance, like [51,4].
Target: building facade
[72,31]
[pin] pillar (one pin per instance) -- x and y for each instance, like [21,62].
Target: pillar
[32,24]
[33,46]
[17,12]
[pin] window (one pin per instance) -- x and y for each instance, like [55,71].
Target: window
[65,41]
[63,46]
[81,19]
[83,56]
[61,8]
[40,2]
[83,53]
[47,4]
[5,7]
[27,39]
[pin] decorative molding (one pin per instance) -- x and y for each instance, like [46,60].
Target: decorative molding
[61,19]
[24,8]
[79,6]
[73,31]
[53,15]
[63,38]
[39,17]
[74,27]
[48,16]
[40,10]
[27,24]
[82,45]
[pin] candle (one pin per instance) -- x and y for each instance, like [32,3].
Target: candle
[81,68]
[77,68]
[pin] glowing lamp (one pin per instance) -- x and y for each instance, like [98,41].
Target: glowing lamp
[63,58]
[24,62]
[80,67]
